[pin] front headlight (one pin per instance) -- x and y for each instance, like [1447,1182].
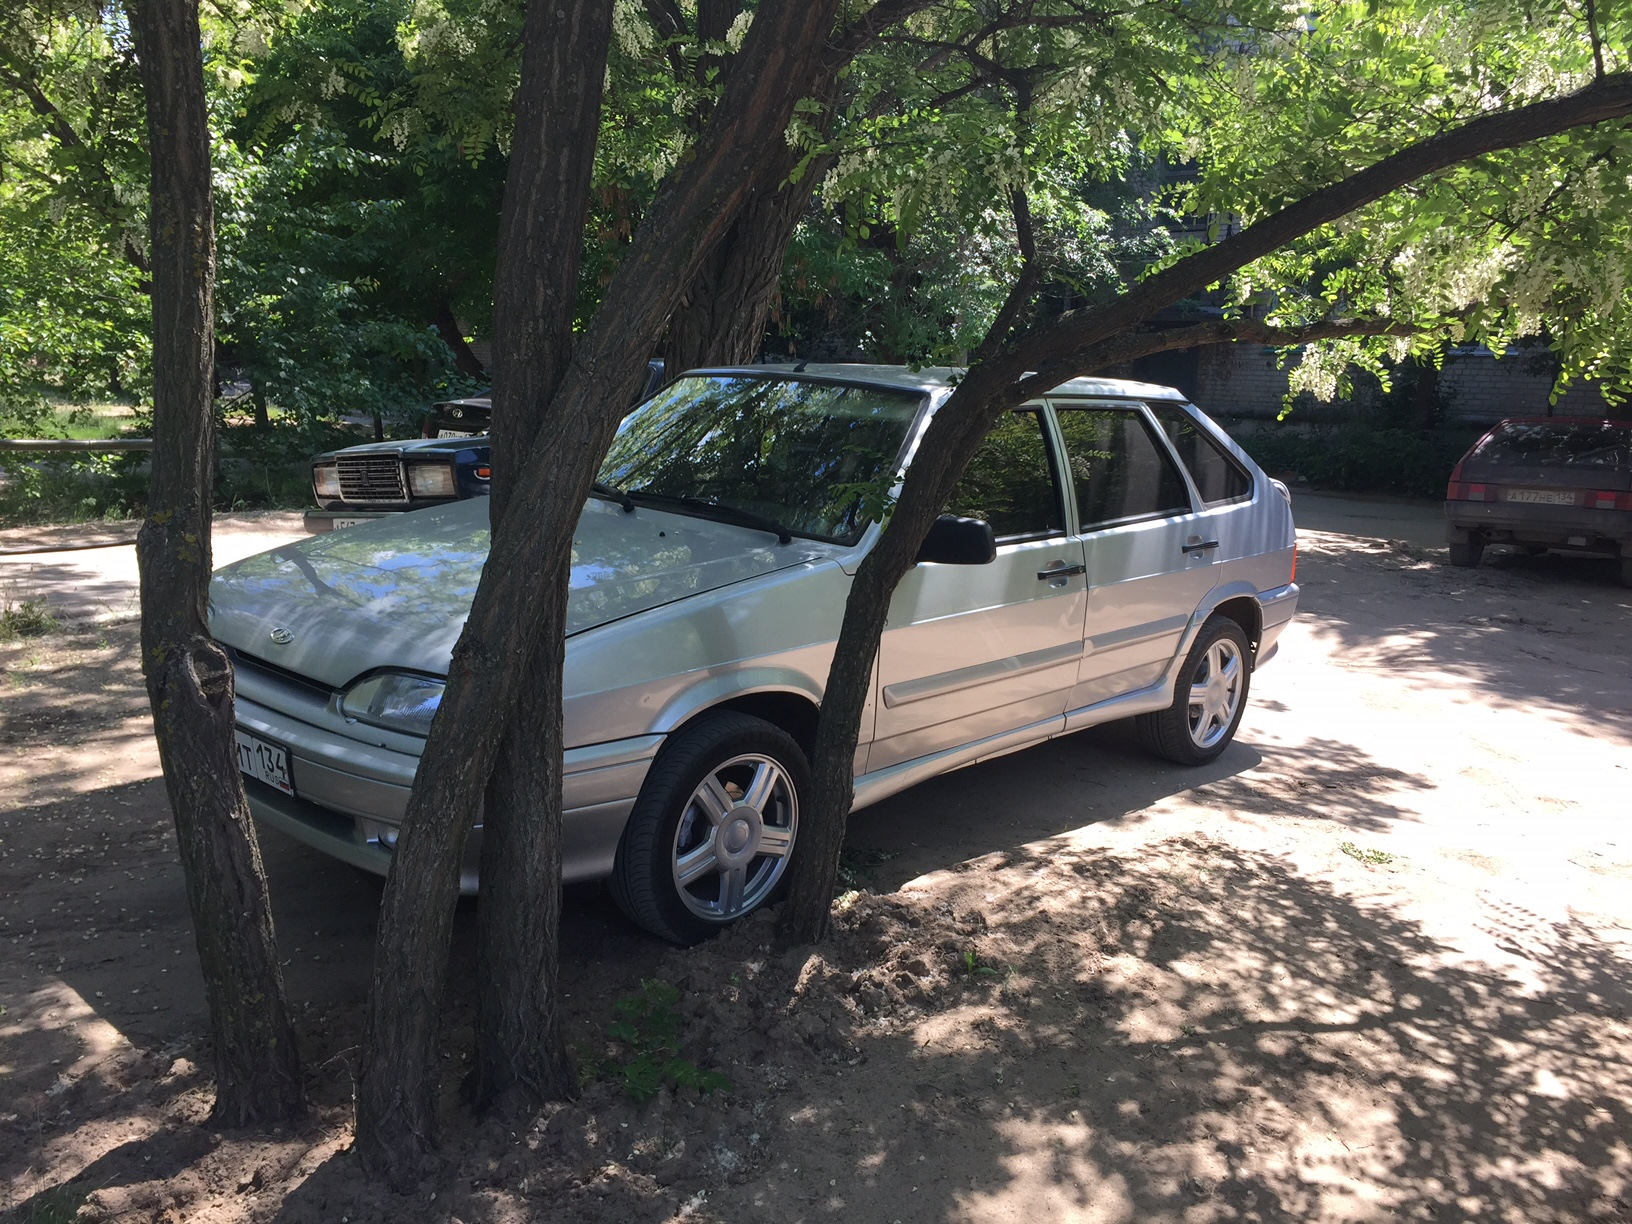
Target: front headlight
[431,480]
[326,480]
[397,701]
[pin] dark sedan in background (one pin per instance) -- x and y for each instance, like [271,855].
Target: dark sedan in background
[1545,483]
[449,463]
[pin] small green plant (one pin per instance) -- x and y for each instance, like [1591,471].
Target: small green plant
[58,1205]
[30,618]
[648,1030]
[1368,856]
[972,966]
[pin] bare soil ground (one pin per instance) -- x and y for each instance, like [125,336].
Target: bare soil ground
[1369,965]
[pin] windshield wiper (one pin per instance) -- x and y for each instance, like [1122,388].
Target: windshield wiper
[613,493]
[729,514]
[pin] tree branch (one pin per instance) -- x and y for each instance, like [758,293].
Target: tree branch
[1052,349]
[1024,286]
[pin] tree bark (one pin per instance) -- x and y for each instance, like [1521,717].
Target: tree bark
[464,358]
[396,1097]
[521,1057]
[1074,344]
[189,679]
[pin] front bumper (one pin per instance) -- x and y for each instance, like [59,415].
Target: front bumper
[350,797]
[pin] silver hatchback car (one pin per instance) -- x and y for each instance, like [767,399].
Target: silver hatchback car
[1137,563]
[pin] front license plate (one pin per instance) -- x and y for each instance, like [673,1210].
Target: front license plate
[264,762]
[1544,497]
[345,522]
[457,433]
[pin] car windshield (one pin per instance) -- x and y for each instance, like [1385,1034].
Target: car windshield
[1560,444]
[814,457]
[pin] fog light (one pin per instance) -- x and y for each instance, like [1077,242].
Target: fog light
[326,480]
[431,480]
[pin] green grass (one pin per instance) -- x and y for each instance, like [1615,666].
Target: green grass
[30,618]
[96,420]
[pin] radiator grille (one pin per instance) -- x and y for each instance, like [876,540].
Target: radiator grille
[371,478]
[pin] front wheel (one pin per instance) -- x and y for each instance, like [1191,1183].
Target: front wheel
[1210,696]
[711,836]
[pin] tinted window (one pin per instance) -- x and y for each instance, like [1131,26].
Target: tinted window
[1218,477]
[1118,468]
[810,455]
[1560,444]
[1010,482]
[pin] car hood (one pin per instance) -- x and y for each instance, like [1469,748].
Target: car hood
[395,592]
[406,446]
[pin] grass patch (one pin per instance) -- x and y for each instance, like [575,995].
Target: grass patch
[30,618]
[643,1051]
[1366,855]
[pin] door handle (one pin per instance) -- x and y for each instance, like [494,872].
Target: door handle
[1198,546]
[1061,570]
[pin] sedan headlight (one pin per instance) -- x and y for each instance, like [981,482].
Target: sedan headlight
[431,480]
[397,701]
[326,480]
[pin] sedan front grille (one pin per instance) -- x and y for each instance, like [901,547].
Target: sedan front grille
[371,478]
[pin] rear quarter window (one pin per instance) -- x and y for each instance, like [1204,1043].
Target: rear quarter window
[1219,478]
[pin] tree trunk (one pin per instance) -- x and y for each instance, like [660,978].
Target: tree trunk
[396,1099]
[464,357]
[521,1058]
[1074,344]
[721,319]
[189,679]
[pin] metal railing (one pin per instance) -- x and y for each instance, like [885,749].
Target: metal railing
[84,446]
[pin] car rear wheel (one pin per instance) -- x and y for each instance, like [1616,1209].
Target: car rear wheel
[711,836]
[1210,698]
[1467,555]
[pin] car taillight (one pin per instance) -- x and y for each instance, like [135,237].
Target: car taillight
[1602,499]
[1459,490]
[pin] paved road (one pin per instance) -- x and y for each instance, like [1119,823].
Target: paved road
[99,585]
[1413,520]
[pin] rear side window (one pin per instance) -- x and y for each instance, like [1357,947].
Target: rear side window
[1219,478]
[1118,469]
[1010,481]
[1590,444]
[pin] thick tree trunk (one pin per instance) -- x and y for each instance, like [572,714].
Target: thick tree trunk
[784,51]
[1077,343]
[721,319]
[189,679]
[521,1058]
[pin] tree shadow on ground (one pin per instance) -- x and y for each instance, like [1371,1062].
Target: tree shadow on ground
[1530,632]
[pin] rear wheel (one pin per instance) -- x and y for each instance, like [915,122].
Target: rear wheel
[1467,555]
[1210,697]
[712,833]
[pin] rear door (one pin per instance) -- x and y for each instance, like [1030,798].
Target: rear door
[972,651]
[1145,544]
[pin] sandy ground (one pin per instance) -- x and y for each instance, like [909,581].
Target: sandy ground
[97,585]
[1369,965]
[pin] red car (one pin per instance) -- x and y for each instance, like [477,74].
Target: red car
[1543,483]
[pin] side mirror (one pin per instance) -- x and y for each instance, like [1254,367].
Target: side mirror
[959,541]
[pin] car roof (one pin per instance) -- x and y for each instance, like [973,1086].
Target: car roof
[936,378]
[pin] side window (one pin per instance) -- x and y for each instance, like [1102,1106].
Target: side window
[1217,475]
[1010,482]
[1118,468]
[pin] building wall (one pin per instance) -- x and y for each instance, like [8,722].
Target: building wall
[1243,380]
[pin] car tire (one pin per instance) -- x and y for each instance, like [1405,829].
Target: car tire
[1209,698]
[1466,556]
[720,804]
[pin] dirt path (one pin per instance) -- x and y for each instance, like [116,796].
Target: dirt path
[1369,965]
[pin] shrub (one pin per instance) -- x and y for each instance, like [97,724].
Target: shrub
[1361,458]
